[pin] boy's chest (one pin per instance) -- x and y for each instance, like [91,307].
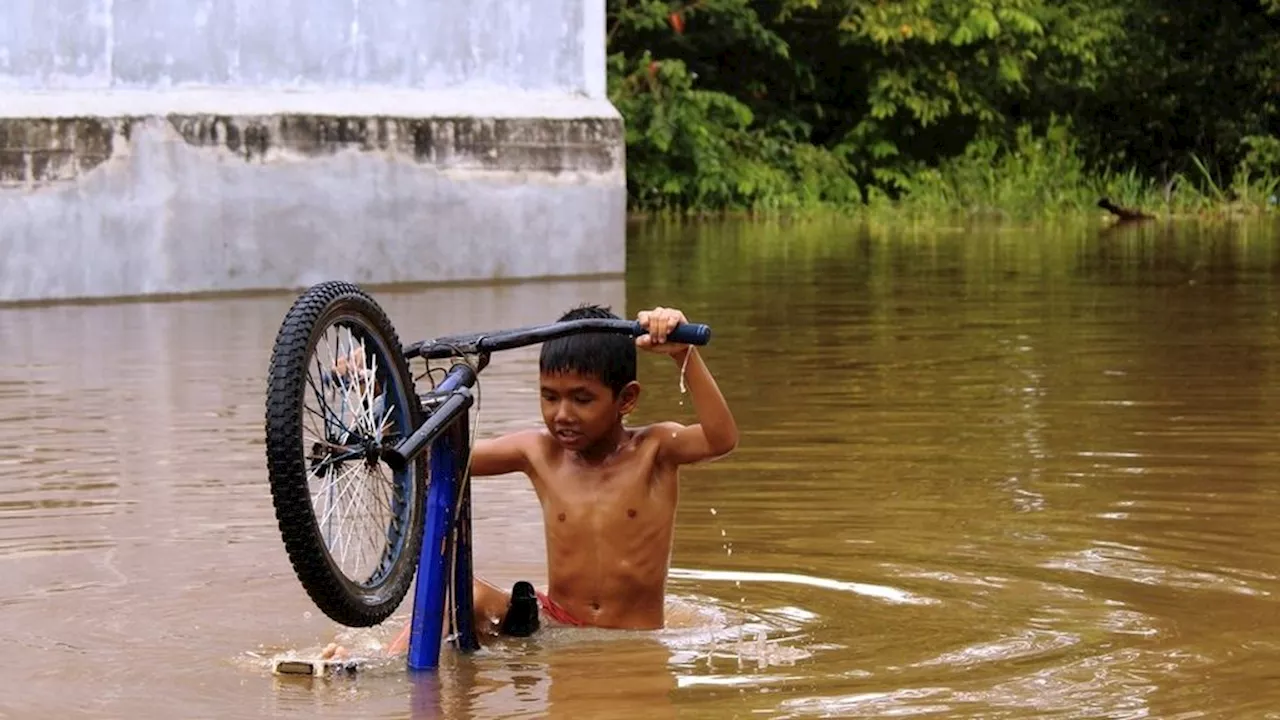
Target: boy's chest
[604,494]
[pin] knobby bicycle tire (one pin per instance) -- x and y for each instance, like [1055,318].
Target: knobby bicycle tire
[348,602]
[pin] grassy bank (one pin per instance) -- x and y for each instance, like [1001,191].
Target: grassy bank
[1028,178]
[1044,178]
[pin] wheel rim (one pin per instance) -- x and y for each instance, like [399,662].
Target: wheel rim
[354,402]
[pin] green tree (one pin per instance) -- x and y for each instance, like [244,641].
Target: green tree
[794,103]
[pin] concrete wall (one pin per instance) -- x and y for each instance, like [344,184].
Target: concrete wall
[548,45]
[153,146]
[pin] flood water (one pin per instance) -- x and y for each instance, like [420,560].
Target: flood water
[983,473]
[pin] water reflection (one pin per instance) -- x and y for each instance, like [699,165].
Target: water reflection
[604,679]
[1061,440]
[983,474]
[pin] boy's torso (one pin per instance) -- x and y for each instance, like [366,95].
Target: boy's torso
[608,531]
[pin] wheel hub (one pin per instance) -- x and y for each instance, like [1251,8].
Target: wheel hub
[372,452]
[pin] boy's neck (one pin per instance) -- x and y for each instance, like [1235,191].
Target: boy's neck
[605,447]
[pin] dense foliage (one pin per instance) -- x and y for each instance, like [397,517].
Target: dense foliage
[984,105]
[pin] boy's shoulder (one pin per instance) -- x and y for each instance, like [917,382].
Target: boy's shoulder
[656,434]
[656,431]
[539,443]
[529,438]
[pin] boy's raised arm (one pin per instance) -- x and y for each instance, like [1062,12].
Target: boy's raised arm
[501,455]
[716,432]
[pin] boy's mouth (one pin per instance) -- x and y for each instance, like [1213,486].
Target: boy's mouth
[569,437]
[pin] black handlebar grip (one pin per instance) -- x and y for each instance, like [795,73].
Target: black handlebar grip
[686,333]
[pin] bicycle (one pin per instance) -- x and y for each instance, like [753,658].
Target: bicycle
[369,415]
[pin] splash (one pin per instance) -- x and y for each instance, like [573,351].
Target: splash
[882,592]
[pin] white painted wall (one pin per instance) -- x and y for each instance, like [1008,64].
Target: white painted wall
[163,215]
[530,45]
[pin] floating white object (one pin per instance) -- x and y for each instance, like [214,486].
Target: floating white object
[314,667]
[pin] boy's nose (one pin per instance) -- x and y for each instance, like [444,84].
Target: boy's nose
[563,413]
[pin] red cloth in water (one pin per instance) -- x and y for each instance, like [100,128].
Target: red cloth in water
[557,613]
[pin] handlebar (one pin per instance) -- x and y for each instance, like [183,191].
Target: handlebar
[453,391]
[476,343]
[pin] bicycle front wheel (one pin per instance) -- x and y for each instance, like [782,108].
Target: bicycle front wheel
[338,390]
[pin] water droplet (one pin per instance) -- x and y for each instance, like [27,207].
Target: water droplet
[713,511]
[722,532]
[306,615]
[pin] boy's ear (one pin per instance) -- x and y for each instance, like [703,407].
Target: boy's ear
[628,397]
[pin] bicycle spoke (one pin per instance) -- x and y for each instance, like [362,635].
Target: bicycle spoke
[332,417]
[358,505]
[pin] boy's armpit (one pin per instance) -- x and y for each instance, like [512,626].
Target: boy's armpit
[685,444]
[502,455]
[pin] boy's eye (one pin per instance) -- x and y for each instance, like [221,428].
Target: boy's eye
[583,399]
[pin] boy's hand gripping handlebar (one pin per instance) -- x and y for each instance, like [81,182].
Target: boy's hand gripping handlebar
[687,333]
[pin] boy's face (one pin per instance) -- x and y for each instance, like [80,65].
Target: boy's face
[579,410]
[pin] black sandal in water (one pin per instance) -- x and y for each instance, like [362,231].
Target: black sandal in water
[522,613]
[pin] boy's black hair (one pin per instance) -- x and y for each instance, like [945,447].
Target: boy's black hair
[608,357]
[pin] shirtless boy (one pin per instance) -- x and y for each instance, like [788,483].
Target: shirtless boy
[608,491]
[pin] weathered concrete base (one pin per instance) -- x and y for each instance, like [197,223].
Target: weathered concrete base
[226,194]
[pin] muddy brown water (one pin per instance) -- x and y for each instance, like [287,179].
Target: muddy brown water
[983,473]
